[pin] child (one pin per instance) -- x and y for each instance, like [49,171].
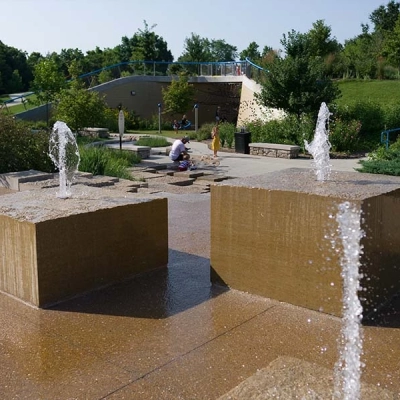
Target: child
[215,139]
[176,126]
[185,164]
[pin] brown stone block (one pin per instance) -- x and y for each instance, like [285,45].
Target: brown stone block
[270,236]
[53,249]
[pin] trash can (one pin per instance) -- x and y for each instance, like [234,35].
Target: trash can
[242,141]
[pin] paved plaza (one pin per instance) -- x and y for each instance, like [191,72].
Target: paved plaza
[170,334]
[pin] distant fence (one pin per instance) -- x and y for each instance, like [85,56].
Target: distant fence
[162,68]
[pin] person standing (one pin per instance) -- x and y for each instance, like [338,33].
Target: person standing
[176,126]
[178,149]
[217,112]
[215,144]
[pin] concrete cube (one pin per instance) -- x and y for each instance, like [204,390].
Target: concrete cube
[52,249]
[270,236]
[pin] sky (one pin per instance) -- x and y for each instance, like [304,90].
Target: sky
[52,25]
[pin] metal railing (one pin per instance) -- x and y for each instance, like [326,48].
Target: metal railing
[254,71]
[163,68]
[386,134]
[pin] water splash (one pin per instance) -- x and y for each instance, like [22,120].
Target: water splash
[348,367]
[320,146]
[64,152]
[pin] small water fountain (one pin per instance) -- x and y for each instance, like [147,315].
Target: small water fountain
[64,152]
[348,367]
[320,146]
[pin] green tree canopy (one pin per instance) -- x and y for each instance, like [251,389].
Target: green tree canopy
[80,108]
[196,49]
[384,17]
[48,80]
[391,47]
[11,60]
[251,52]
[178,96]
[297,83]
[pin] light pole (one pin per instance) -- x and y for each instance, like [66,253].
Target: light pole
[121,125]
[159,118]
[196,117]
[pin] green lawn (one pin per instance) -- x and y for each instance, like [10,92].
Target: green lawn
[382,92]
[21,107]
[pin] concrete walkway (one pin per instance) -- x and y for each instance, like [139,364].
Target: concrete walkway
[237,164]
[171,335]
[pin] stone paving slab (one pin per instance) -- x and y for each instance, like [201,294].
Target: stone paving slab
[189,174]
[172,180]
[290,378]
[12,180]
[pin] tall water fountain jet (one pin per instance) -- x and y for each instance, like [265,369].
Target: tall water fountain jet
[64,152]
[320,146]
[348,367]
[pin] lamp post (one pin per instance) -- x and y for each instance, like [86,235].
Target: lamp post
[121,125]
[159,117]
[196,117]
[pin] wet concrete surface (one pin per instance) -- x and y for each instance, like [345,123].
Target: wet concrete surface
[170,334]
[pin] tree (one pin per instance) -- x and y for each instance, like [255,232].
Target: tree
[361,54]
[297,85]
[94,60]
[80,108]
[196,49]
[391,47]
[48,82]
[178,95]
[384,18]
[222,51]
[69,55]
[12,59]
[15,84]
[105,76]
[251,52]
[321,42]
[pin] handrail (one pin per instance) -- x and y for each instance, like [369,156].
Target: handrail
[199,63]
[237,68]
[385,136]
[254,71]
[254,65]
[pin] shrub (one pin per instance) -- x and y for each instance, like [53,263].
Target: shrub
[290,130]
[20,149]
[154,141]
[204,132]
[227,134]
[391,117]
[383,161]
[100,160]
[370,115]
[111,119]
[344,136]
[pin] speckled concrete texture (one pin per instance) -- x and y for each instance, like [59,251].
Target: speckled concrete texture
[289,378]
[53,248]
[170,334]
[272,235]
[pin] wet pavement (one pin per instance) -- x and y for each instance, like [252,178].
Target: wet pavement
[170,334]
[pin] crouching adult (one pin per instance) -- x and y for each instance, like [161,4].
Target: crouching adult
[178,149]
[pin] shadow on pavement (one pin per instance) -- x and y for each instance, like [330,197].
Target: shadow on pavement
[157,294]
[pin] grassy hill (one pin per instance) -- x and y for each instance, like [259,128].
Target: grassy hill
[381,92]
